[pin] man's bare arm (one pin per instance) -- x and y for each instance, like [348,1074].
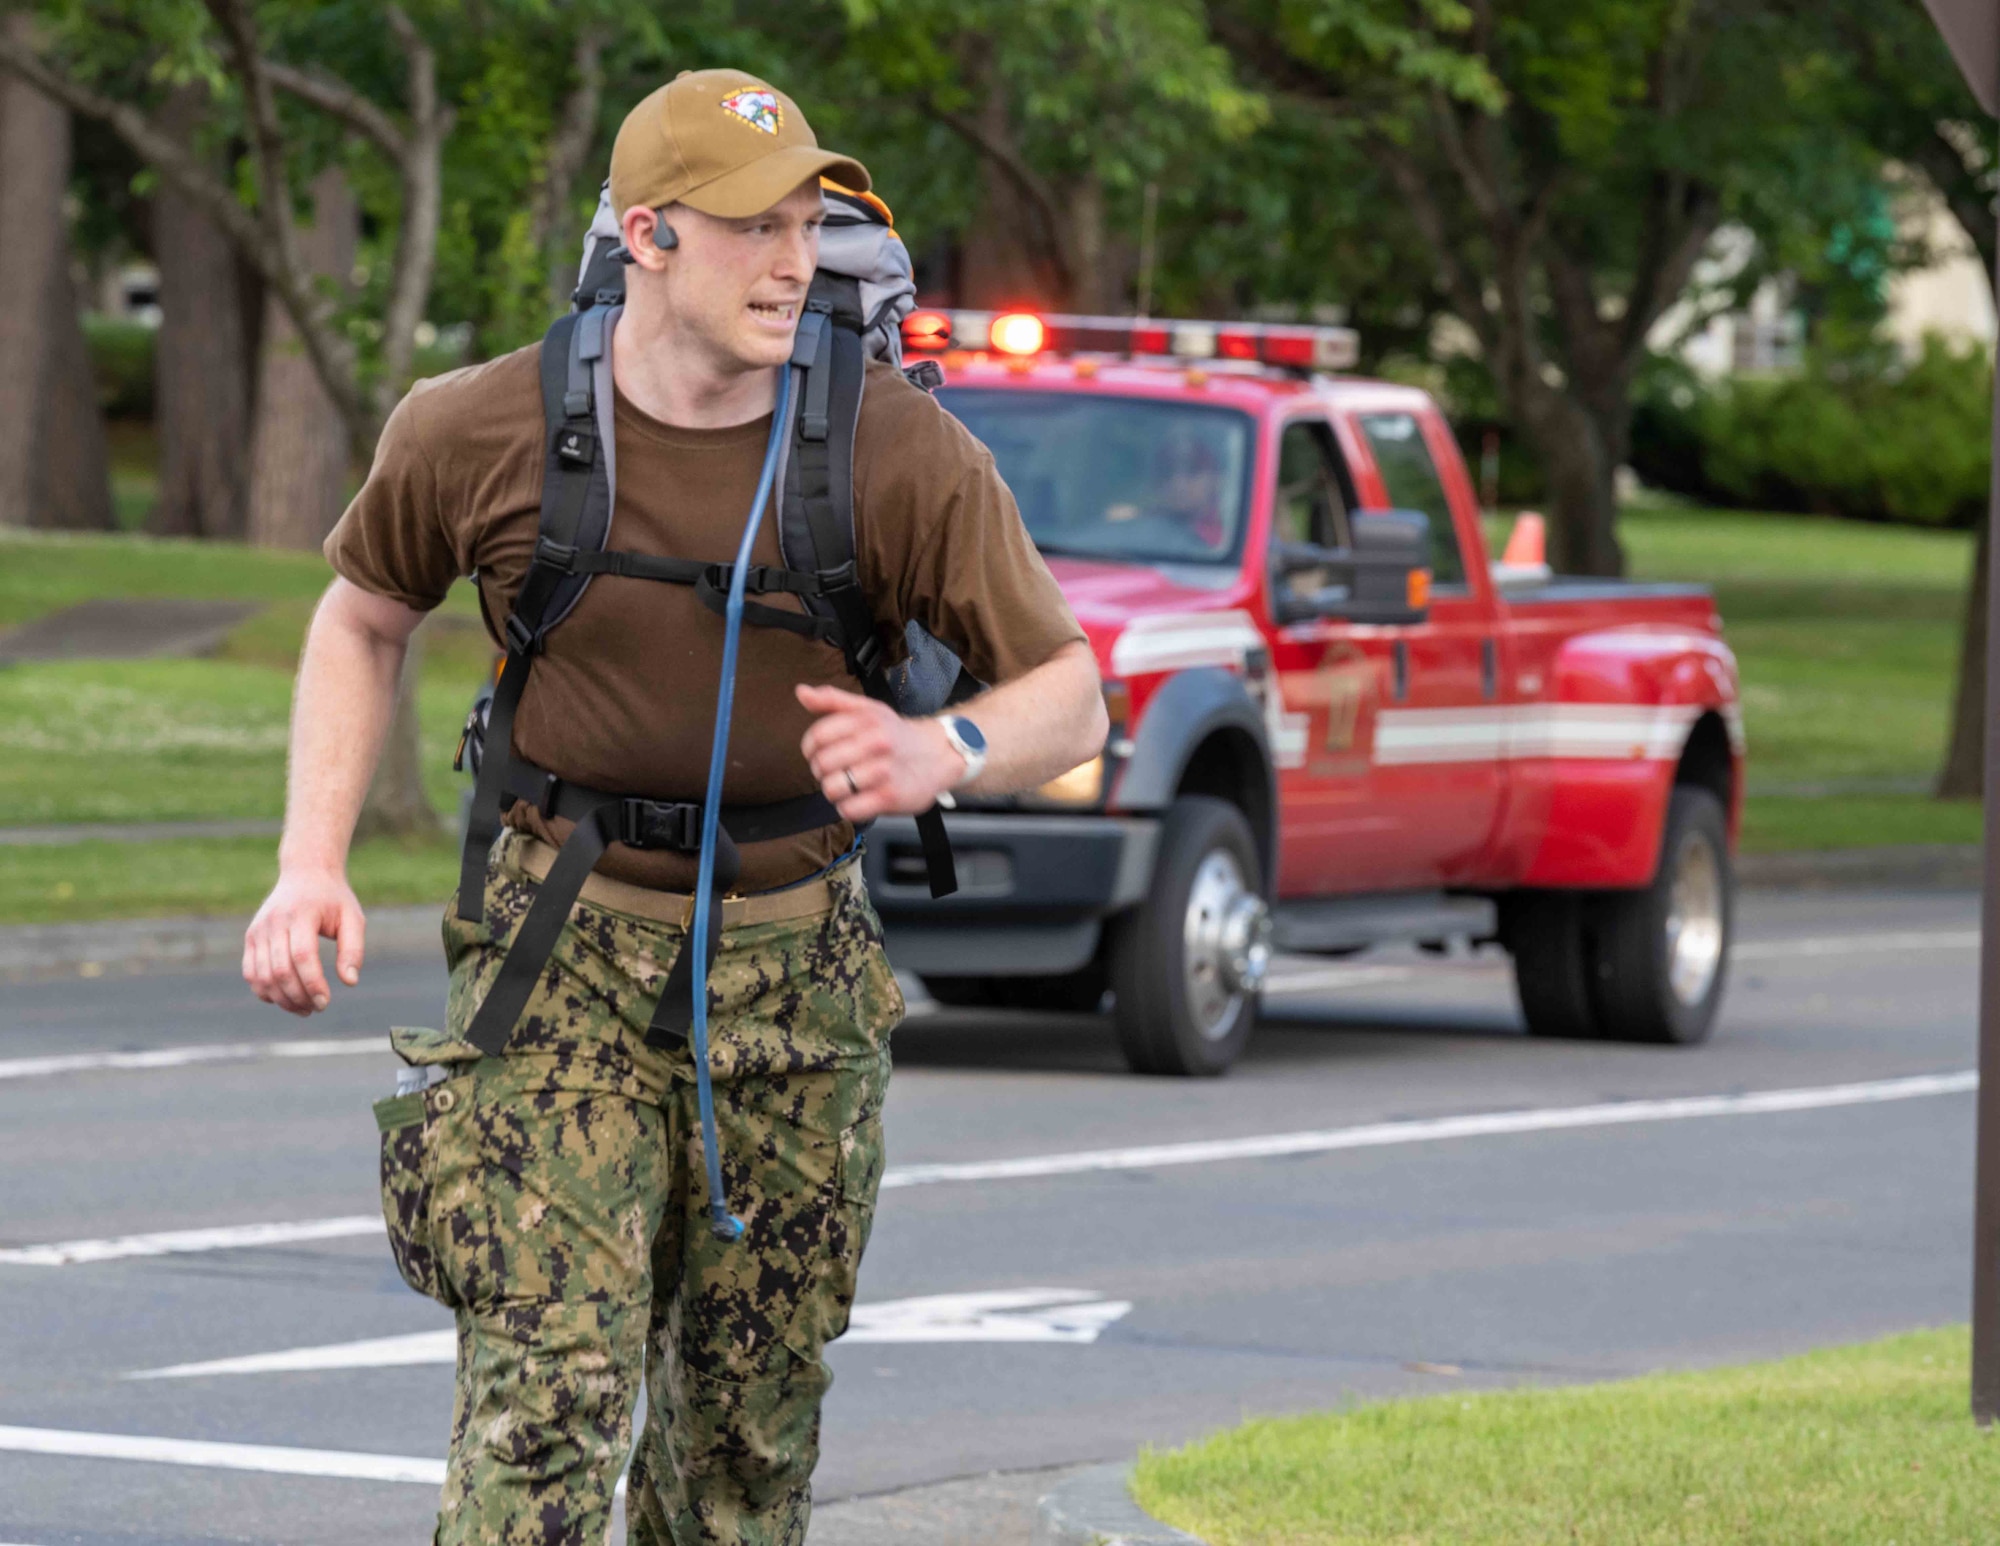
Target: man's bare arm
[341,708]
[1042,723]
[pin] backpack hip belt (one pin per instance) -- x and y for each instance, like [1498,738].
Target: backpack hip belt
[600,820]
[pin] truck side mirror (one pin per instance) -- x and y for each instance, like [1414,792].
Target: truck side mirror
[1383,578]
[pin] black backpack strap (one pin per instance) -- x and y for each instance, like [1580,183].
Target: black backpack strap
[576,514]
[816,517]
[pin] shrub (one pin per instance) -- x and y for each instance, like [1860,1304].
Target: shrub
[121,357]
[1859,433]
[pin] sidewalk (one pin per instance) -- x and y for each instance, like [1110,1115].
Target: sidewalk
[133,832]
[40,950]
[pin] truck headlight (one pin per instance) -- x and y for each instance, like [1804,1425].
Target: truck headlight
[1081,785]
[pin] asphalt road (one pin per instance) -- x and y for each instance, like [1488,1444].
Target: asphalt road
[1175,1289]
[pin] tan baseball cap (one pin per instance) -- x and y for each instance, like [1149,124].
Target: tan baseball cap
[722,142]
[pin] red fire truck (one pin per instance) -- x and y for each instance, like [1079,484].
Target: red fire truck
[1337,722]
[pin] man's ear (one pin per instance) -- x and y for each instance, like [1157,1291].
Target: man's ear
[648,237]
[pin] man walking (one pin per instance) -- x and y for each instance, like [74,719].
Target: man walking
[552,1194]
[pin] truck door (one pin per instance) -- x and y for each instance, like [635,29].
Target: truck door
[1330,679]
[1440,742]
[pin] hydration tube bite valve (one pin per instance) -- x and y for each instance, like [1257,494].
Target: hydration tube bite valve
[723,1224]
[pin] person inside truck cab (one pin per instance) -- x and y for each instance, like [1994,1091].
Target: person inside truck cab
[1185,489]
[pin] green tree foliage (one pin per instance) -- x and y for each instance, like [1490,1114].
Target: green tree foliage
[1031,128]
[1564,167]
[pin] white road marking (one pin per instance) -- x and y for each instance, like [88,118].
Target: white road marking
[1294,979]
[181,1057]
[226,1457]
[1072,1315]
[1377,1135]
[418,1347]
[1373,1135]
[176,1242]
[1851,944]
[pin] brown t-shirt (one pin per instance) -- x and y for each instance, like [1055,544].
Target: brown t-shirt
[623,699]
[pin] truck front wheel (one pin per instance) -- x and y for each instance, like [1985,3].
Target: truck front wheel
[1188,964]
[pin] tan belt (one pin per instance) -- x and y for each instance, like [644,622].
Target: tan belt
[533,858]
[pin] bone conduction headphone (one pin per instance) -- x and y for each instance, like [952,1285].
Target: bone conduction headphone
[663,238]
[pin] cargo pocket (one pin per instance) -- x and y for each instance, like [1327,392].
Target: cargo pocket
[857,1178]
[413,1129]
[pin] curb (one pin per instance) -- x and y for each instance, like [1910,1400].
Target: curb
[41,950]
[1917,866]
[1094,1508]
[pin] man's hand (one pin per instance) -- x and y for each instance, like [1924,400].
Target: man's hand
[281,946]
[870,761]
[1043,722]
[344,700]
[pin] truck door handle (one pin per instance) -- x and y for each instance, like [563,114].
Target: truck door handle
[1399,670]
[1489,669]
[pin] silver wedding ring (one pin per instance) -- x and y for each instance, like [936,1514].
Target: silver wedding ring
[849,772]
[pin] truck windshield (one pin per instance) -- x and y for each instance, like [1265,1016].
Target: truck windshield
[1123,478]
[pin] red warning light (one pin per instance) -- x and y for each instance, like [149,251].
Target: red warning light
[927,330]
[1236,346]
[1293,349]
[1018,332]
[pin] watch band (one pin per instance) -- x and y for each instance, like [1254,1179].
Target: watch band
[975,756]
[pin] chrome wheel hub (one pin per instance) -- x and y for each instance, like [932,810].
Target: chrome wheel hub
[1694,921]
[1226,943]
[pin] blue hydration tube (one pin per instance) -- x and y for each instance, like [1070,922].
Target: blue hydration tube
[721,1222]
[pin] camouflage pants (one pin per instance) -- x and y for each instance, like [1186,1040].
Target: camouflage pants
[554,1197]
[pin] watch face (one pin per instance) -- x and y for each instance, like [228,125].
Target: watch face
[969,733]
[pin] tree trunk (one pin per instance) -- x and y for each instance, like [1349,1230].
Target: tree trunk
[53,466]
[1579,457]
[201,371]
[299,462]
[396,805]
[1963,776]
[1004,253]
[77,493]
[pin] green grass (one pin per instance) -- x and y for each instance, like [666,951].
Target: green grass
[175,740]
[1846,635]
[40,572]
[1847,639]
[1857,1446]
[220,877]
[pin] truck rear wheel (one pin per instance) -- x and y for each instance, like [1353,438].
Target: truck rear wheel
[1662,953]
[1544,931]
[1644,965]
[1188,963]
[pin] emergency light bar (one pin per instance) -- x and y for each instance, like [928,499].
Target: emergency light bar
[1295,346]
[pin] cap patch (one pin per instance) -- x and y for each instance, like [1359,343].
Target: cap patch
[756,107]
